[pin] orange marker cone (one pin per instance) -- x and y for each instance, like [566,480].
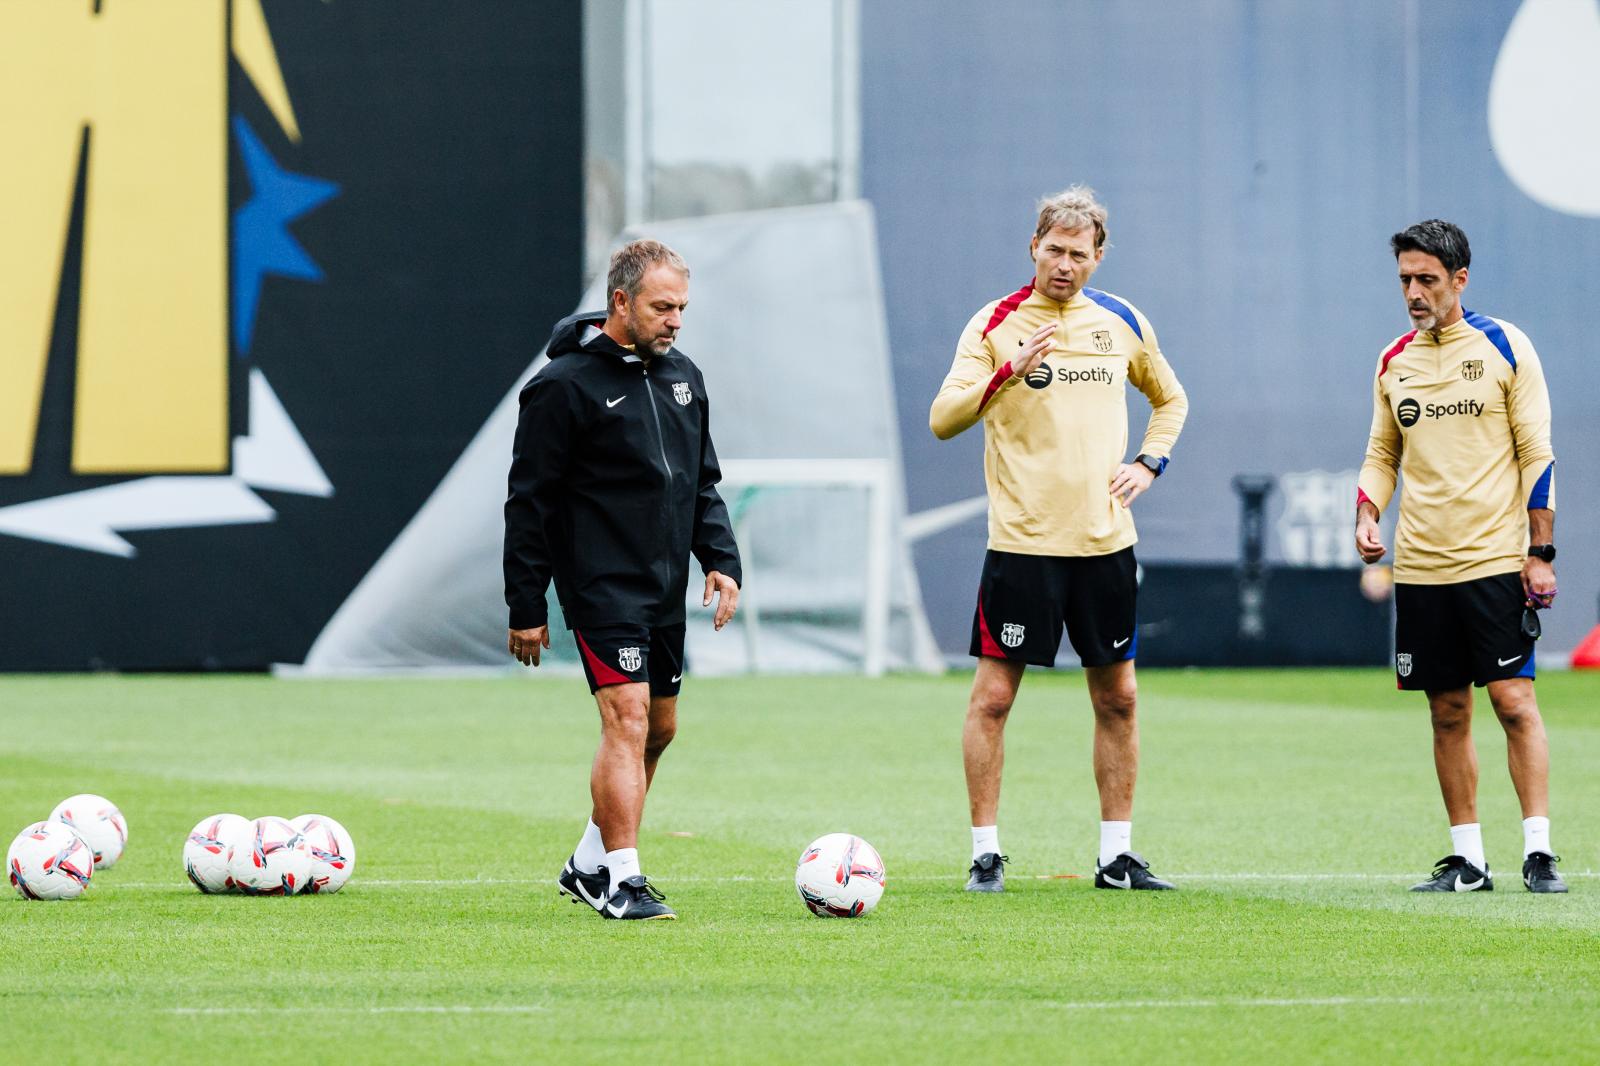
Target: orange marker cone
[1587,653]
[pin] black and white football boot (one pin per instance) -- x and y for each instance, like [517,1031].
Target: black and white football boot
[1128,870]
[582,887]
[988,873]
[636,898]
[1539,873]
[1453,873]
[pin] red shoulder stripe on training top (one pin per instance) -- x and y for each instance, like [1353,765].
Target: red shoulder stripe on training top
[1395,349]
[994,385]
[1006,306]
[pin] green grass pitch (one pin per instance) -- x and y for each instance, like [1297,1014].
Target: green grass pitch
[1292,808]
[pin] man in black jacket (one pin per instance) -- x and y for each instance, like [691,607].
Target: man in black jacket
[613,485]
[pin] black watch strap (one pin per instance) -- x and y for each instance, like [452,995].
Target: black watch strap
[1155,464]
[1547,552]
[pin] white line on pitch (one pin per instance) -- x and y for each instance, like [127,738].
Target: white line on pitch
[669,881]
[1184,1004]
[419,1009]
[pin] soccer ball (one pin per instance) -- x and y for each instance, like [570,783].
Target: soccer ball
[98,822]
[333,852]
[839,876]
[48,860]
[206,851]
[271,860]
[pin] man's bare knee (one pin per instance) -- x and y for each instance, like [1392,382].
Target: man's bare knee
[658,738]
[991,702]
[1451,712]
[624,717]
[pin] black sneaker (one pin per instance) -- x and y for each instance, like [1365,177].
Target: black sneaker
[582,887]
[1455,874]
[1128,870]
[988,873]
[637,898]
[1539,873]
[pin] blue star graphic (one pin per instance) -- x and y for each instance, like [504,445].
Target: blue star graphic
[262,243]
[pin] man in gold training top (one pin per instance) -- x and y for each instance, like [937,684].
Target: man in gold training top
[1044,370]
[1459,407]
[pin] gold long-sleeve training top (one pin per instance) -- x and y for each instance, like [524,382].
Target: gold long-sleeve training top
[1053,440]
[1465,419]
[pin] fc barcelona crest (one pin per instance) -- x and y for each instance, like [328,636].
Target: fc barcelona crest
[681,393]
[1402,664]
[629,658]
[1472,369]
[1102,340]
[1011,634]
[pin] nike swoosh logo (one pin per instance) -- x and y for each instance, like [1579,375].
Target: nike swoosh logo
[1120,643]
[1123,882]
[593,901]
[679,677]
[1508,662]
[1462,884]
[1408,377]
[613,403]
[619,912]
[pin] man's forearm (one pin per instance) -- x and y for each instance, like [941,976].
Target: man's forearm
[1541,525]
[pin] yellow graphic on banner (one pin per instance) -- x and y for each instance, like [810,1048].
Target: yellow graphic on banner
[148,80]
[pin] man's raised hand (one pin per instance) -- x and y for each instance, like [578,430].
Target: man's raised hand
[1034,349]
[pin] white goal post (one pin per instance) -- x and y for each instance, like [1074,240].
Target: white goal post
[875,477]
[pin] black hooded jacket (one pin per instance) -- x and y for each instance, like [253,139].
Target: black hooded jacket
[613,485]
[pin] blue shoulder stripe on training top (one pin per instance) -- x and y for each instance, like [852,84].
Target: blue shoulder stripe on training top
[1539,498]
[1491,329]
[1116,307]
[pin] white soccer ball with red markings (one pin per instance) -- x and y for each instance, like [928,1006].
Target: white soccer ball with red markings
[333,851]
[839,876]
[49,860]
[272,860]
[206,851]
[98,822]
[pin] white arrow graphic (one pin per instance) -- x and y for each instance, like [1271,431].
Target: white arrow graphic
[271,456]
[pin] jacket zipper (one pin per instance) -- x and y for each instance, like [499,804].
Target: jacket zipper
[661,439]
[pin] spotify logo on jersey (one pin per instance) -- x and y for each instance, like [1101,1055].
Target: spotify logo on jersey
[1040,376]
[1408,412]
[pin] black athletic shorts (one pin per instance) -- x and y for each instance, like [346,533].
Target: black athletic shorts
[1024,601]
[1449,636]
[622,654]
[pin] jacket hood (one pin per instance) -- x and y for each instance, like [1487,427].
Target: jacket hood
[565,338]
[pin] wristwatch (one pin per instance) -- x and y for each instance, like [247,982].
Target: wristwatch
[1547,552]
[1155,464]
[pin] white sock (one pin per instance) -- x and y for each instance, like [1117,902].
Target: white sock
[623,864]
[1536,835]
[1115,838]
[1467,840]
[591,852]
[985,840]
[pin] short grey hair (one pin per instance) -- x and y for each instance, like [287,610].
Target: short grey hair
[1071,209]
[633,260]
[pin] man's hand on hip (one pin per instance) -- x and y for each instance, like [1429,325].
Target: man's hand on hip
[726,589]
[1131,480]
[524,644]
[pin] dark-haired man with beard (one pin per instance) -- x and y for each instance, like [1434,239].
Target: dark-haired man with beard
[1460,408]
